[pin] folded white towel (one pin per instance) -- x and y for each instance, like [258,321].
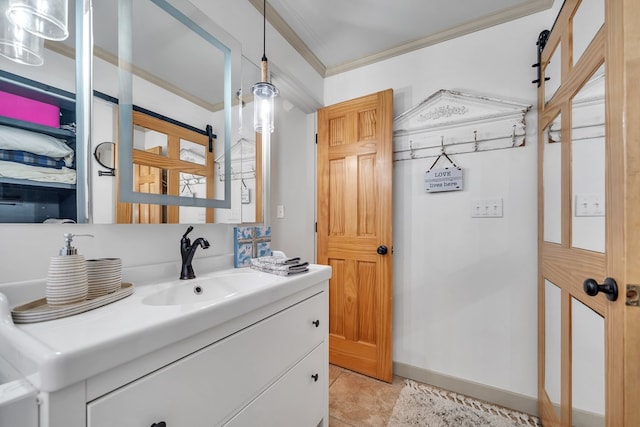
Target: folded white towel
[279,265]
[280,272]
[278,260]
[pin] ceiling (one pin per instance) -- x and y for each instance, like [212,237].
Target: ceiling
[339,35]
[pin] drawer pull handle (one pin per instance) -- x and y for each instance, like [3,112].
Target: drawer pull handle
[315,377]
[316,322]
[160,424]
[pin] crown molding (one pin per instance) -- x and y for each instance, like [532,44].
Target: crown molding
[290,36]
[479,24]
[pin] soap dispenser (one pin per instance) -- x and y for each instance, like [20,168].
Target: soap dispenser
[67,281]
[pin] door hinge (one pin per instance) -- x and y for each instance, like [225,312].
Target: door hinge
[633,295]
[316,139]
[316,227]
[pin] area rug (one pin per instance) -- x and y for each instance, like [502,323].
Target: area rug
[423,405]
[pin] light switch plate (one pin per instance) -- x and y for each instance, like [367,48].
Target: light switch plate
[589,205]
[487,208]
[280,211]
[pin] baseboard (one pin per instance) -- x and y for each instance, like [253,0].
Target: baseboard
[508,399]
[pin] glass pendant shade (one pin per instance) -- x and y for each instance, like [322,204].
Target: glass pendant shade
[264,94]
[19,45]
[45,18]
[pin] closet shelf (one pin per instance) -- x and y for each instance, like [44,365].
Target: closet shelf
[30,183]
[34,127]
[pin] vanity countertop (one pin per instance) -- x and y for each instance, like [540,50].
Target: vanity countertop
[58,353]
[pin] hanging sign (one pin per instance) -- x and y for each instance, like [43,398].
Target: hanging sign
[444,179]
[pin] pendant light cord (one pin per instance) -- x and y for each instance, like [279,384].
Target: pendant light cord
[264,31]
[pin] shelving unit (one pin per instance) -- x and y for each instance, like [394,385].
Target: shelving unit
[28,201]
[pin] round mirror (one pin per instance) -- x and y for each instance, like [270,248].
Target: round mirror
[104,154]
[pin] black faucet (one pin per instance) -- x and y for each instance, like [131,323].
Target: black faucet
[187,250]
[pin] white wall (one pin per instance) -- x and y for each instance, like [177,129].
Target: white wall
[26,248]
[293,174]
[465,288]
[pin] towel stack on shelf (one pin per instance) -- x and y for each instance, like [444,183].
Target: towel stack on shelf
[279,265]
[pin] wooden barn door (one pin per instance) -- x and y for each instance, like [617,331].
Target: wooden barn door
[589,227]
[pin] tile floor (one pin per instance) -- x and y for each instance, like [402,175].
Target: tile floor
[359,401]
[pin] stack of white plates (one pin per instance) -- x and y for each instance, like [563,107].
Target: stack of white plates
[66,280]
[104,276]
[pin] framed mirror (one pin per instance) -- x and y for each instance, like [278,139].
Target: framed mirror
[178,66]
[95,196]
[105,155]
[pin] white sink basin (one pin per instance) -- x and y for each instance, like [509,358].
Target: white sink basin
[217,287]
[55,354]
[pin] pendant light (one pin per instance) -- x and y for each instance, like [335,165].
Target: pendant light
[17,44]
[44,18]
[264,92]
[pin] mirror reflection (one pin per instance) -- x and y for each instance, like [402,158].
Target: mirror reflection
[588,165]
[588,368]
[158,85]
[38,155]
[552,343]
[552,181]
[157,44]
[105,155]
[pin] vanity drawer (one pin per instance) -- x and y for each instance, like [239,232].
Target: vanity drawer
[209,386]
[297,399]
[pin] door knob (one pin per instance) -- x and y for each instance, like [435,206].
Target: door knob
[382,250]
[315,377]
[316,323]
[609,287]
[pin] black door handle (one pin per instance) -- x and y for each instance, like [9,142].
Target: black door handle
[316,323]
[160,424]
[609,287]
[382,250]
[315,377]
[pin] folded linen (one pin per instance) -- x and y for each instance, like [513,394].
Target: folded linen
[280,272]
[278,260]
[284,269]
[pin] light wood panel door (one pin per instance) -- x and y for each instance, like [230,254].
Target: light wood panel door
[355,230]
[589,227]
[148,179]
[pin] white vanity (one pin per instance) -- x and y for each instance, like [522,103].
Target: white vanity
[234,347]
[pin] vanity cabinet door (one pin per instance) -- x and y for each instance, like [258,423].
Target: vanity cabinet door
[297,399]
[207,387]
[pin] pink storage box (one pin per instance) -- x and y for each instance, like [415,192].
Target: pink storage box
[18,107]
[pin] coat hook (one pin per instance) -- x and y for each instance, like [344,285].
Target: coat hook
[442,144]
[412,153]
[513,137]
[475,140]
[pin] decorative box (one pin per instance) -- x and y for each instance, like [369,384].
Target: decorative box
[250,242]
[29,110]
